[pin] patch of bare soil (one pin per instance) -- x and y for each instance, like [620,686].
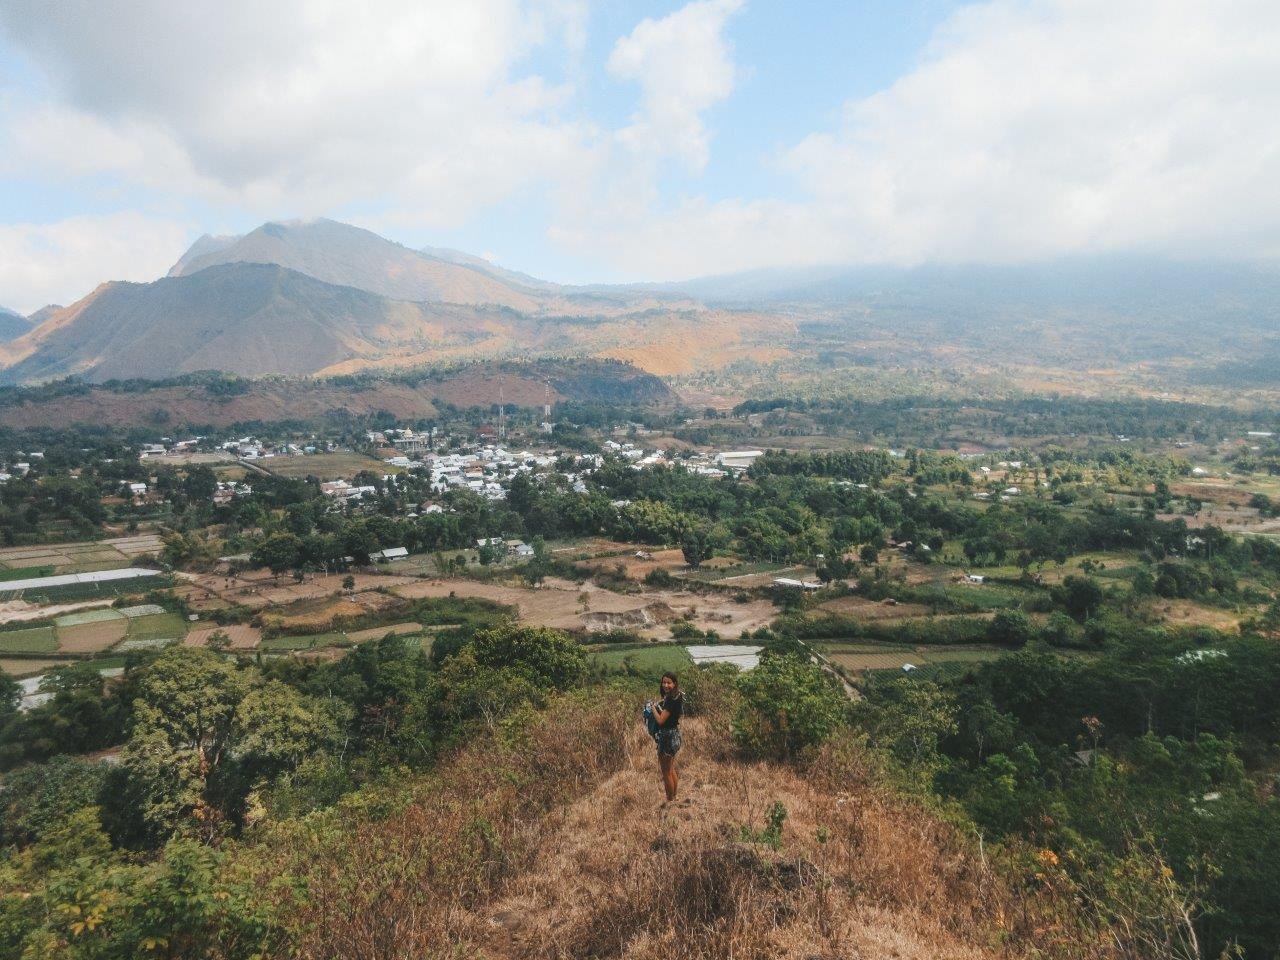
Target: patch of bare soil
[92,637]
[14,611]
[638,563]
[1188,613]
[569,606]
[651,614]
[243,637]
[314,616]
[1212,493]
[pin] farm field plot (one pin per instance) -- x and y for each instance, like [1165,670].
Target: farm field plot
[748,575]
[156,626]
[29,640]
[242,637]
[863,609]
[28,667]
[895,657]
[142,610]
[377,633]
[638,567]
[80,557]
[92,637]
[326,466]
[316,641]
[87,616]
[568,606]
[24,573]
[339,638]
[654,659]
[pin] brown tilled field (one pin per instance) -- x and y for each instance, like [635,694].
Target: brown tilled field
[1188,613]
[1212,493]
[874,661]
[637,568]
[873,609]
[315,615]
[257,589]
[27,667]
[92,637]
[242,637]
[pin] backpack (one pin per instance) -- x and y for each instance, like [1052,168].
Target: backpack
[650,721]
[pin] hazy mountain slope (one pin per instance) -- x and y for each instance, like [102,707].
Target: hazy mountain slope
[205,400]
[43,314]
[12,324]
[348,256]
[249,319]
[1138,289]
[514,277]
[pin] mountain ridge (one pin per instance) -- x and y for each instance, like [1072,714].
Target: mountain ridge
[12,324]
[349,256]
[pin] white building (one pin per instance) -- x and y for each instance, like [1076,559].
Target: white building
[738,459]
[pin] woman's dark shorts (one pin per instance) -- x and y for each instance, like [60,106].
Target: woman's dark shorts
[668,742]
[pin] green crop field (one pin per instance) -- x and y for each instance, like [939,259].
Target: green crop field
[87,616]
[326,466]
[29,640]
[654,659]
[89,591]
[312,642]
[155,626]
[24,573]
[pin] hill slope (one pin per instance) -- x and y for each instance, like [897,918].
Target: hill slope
[242,318]
[348,256]
[201,401]
[12,324]
[554,844]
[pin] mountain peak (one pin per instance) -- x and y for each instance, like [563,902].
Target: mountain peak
[351,256]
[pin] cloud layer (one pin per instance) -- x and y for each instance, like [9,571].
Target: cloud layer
[1026,129]
[43,263]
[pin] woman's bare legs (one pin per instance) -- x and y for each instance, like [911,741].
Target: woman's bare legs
[670,778]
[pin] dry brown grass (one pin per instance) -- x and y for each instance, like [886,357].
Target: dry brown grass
[556,846]
[309,615]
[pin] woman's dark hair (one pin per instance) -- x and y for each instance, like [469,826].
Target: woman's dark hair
[669,676]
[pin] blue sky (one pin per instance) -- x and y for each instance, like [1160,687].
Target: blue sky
[580,141]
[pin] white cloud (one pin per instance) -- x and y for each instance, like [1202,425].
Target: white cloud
[683,66]
[41,263]
[1029,129]
[304,106]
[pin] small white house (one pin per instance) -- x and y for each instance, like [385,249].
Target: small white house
[391,553]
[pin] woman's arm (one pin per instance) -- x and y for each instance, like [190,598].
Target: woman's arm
[659,714]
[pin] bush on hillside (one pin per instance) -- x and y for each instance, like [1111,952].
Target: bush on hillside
[787,706]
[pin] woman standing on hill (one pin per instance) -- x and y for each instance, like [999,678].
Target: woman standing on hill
[663,717]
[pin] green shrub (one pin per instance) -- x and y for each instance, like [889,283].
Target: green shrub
[787,706]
